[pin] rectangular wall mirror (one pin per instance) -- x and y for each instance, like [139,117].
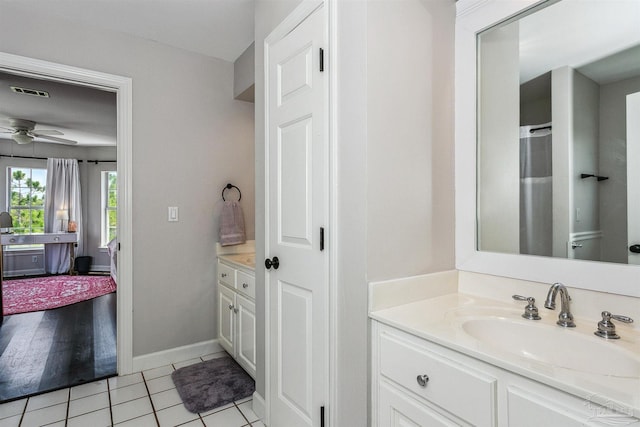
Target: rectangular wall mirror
[558,144]
[548,141]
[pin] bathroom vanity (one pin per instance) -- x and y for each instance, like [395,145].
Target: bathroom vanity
[461,357]
[236,307]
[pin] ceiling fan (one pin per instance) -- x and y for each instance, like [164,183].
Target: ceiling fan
[23,132]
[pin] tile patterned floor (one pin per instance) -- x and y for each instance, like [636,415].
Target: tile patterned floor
[143,399]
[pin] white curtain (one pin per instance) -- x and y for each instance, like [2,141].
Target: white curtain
[536,197]
[63,194]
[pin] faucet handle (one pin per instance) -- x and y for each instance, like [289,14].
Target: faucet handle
[607,329]
[530,311]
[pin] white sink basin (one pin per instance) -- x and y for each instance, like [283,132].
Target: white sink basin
[555,346]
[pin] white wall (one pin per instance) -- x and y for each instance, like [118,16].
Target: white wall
[409,138]
[189,138]
[613,163]
[562,154]
[395,164]
[499,135]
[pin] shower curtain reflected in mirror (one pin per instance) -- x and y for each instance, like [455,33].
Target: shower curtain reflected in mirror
[536,214]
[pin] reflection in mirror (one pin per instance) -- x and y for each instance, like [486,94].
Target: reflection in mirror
[558,132]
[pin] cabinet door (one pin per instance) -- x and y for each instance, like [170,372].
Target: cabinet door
[246,345]
[529,407]
[397,409]
[226,318]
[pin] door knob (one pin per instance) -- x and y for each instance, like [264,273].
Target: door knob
[635,248]
[275,262]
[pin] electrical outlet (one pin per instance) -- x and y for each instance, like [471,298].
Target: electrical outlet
[34,259]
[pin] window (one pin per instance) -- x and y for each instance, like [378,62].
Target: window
[26,199]
[109,206]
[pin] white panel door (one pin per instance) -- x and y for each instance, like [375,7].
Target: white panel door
[297,200]
[633,175]
[226,318]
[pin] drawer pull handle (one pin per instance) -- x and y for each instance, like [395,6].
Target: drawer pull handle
[244,285]
[224,274]
[422,380]
[230,307]
[12,240]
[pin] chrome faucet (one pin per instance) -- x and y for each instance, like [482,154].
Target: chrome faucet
[565,318]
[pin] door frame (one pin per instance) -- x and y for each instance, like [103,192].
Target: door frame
[298,15]
[122,86]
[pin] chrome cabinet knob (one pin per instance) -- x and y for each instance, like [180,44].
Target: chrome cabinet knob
[224,275]
[235,310]
[245,285]
[230,307]
[422,380]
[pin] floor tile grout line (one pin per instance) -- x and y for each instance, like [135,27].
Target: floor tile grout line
[241,413]
[24,411]
[153,408]
[109,396]
[66,418]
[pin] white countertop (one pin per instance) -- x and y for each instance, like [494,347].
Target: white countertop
[246,260]
[439,320]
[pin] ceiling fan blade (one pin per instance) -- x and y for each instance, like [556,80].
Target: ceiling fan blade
[39,132]
[57,140]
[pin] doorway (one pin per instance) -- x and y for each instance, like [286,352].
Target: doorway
[122,86]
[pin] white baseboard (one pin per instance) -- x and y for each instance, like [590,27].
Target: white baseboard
[259,406]
[175,355]
[101,268]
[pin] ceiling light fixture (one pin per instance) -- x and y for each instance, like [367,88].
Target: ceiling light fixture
[22,137]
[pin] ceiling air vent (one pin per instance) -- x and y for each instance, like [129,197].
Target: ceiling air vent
[33,92]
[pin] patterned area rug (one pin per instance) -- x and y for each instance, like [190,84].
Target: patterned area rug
[211,384]
[43,293]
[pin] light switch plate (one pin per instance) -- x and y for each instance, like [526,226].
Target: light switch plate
[173,214]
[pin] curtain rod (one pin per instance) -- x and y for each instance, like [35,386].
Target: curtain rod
[45,158]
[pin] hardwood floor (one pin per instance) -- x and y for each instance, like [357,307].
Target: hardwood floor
[51,349]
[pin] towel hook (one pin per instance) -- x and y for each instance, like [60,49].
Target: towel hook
[228,187]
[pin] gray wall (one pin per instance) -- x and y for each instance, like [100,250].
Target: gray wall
[244,77]
[189,138]
[613,163]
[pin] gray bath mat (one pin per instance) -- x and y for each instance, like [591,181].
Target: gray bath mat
[208,385]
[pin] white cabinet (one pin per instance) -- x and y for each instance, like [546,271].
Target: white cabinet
[416,382]
[237,315]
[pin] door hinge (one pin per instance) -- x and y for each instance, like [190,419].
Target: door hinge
[322,416]
[321,59]
[322,238]
[118,245]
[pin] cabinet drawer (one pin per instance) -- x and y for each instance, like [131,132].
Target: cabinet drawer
[17,239]
[226,275]
[246,284]
[468,394]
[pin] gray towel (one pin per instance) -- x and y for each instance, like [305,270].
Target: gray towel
[231,224]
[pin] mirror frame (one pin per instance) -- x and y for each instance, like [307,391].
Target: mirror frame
[472,17]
